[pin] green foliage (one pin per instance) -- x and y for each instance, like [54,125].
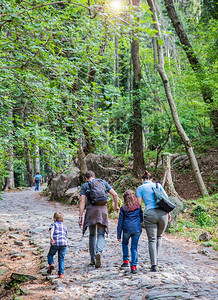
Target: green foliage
[58,83]
[199,215]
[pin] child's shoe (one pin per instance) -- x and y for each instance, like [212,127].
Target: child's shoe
[61,276]
[124,265]
[50,268]
[134,269]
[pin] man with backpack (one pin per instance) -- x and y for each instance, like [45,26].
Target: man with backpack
[96,217]
[37,180]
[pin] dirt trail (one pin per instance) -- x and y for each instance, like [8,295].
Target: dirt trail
[187,271]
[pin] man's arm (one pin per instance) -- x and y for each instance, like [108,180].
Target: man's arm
[115,197]
[81,209]
[120,225]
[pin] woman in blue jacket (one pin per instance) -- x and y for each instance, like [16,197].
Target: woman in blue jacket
[155,218]
[129,223]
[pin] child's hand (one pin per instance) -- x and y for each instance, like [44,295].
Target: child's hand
[119,240]
[52,240]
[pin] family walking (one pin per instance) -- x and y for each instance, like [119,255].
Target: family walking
[94,196]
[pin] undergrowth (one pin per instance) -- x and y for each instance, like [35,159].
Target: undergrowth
[199,216]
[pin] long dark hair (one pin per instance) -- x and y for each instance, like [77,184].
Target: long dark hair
[130,201]
[146,175]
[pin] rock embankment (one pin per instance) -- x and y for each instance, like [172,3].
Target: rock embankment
[186,271]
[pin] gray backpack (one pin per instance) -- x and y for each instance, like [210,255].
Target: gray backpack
[97,194]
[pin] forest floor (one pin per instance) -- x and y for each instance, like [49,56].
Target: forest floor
[184,179]
[186,270]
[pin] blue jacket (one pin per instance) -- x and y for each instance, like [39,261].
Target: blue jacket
[129,221]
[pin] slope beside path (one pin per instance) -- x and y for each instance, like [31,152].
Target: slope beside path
[187,271]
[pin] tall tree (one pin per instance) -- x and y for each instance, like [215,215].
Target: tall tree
[206,90]
[137,146]
[9,182]
[179,127]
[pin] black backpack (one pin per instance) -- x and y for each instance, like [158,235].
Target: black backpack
[37,179]
[97,194]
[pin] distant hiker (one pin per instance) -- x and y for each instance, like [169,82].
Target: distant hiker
[58,240]
[96,217]
[129,223]
[155,219]
[37,180]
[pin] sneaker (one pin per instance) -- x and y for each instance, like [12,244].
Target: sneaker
[124,265]
[50,269]
[134,269]
[61,276]
[98,260]
[153,268]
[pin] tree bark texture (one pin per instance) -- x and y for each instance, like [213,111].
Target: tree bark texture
[173,108]
[206,91]
[137,147]
[37,160]
[9,182]
[166,163]
[117,62]
[82,161]
[29,167]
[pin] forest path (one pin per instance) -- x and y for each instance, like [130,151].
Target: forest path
[187,271]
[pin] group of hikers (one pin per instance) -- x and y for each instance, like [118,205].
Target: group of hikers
[129,228]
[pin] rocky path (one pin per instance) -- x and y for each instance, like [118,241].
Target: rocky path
[187,271]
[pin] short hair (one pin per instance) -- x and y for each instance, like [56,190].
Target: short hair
[89,174]
[58,216]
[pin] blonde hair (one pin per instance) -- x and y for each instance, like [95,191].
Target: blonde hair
[58,216]
[130,201]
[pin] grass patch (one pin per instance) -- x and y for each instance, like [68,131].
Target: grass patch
[199,216]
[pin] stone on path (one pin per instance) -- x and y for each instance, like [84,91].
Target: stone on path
[185,272]
[23,277]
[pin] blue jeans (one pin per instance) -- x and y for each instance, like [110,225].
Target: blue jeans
[134,245]
[96,245]
[37,186]
[61,254]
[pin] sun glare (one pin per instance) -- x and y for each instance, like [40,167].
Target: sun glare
[116,4]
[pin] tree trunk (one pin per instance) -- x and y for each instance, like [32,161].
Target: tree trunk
[37,160]
[137,147]
[166,163]
[81,157]
[9,182]
[29,167]
[117,62]
[206,91]
[173,108]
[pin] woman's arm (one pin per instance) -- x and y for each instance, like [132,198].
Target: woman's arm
[139,200]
